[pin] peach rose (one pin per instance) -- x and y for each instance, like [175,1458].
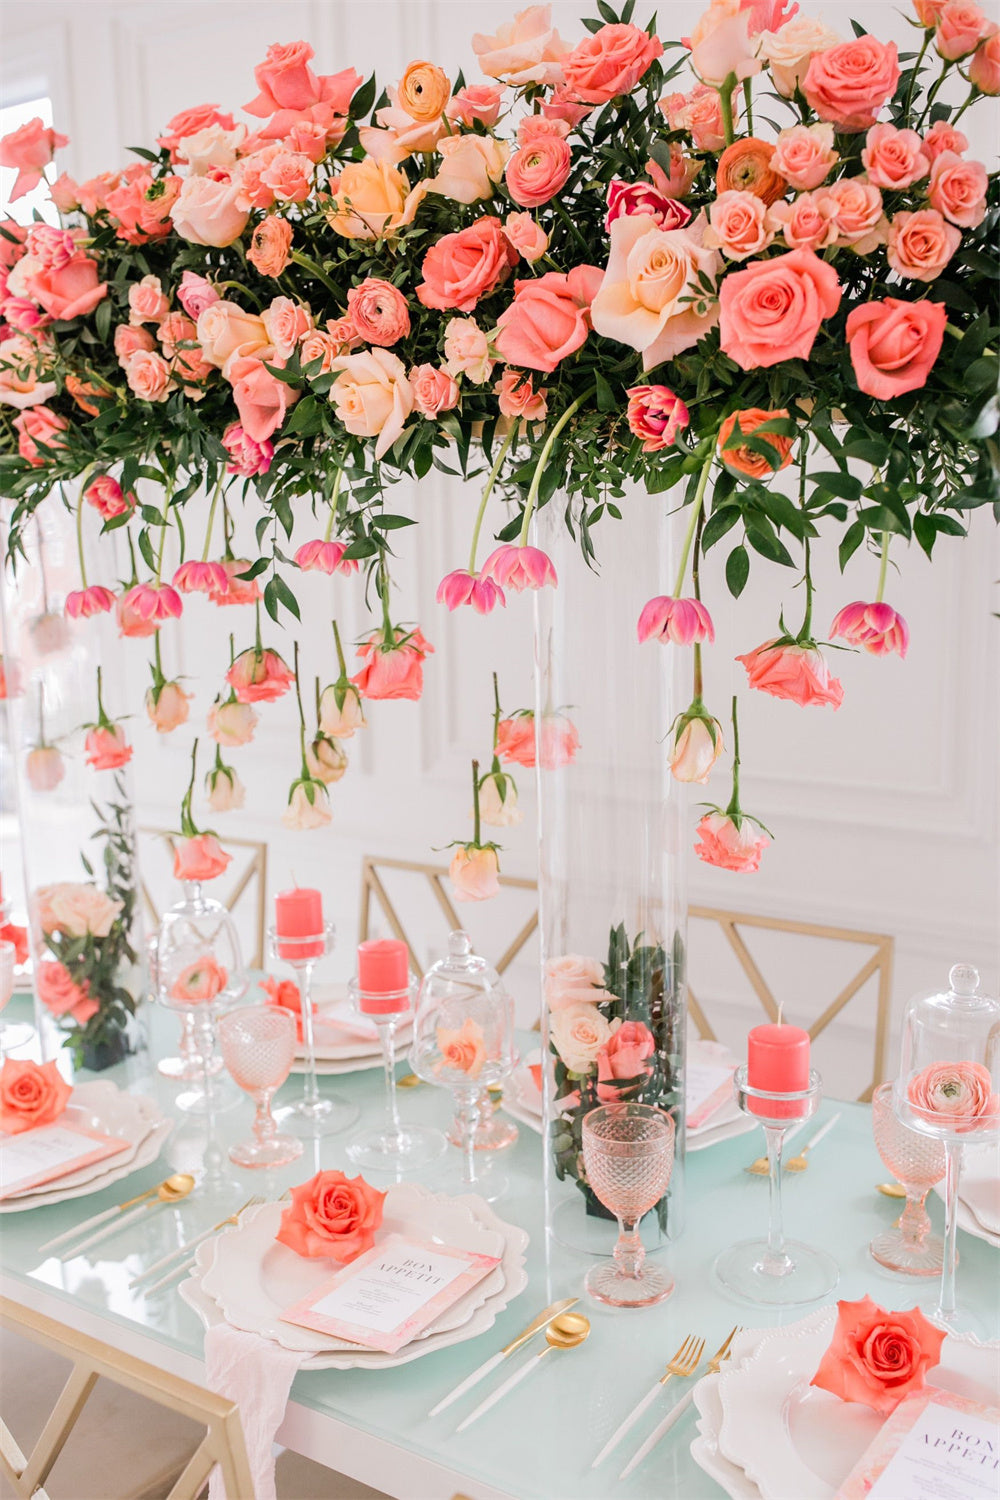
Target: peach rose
[697,746]
[225,329]
[498,801]
[578,1033]
[289,175]
[373,200]
[333,1216]
[609,62]
[199,982]
[651,297]
[167,707]
[921,244]
[207,212]
[212,146]
[200,857]
[189,122]
[320,345]
[894,158]
[548,319]
[148,375]
[130,340]
[536,172]
[525,50]
[434,390]
[225,790]
[528,238]
[107,747]
[262,400]
[772,309]
[270,246]
[232,724]
[61,995]
[747,461]
[461,268]
[894,344]
[397,136]
[44,768]
[624,1057]
[518,397]
[956,1095]
[325,759]
[699,113]
[721,43]
[960,27]
[572,980]
[738,225]
[29,149]
[176,329]
[857,213]
[146,302]
[308,807]
[477,102]
[984,69]
[141,215]
[70,290]
[809,223]
[75,909]
[850,83]
[424,90]
[798,673]
[259,676]
[392,668]
[20,385]
[340,711]
[804,155]
[730,843]
[878,1358]
[31,1094]
[467,350]
[788,50]
[471,167]
[378,311]
[372,396]
[944,137]
[958,189]
[517,745]
[462,1048]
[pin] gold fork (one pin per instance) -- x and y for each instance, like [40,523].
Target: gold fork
[684,1363]
[674,1415]
[184,1250]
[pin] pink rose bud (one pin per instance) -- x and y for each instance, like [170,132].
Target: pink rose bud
[44,768]
[167,706]
[697,746]
[473,873]
[682,621]
[259,676]
[200,857]
[878,628]
[232,724]
[393,668]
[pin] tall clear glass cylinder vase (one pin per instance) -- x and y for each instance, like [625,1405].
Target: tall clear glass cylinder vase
[612,901]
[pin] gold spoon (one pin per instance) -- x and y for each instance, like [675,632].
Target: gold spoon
[891,1189]
[565,1332]
[408,1081]
[179,1185]
[172,1190]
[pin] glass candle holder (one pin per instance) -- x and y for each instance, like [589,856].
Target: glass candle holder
[315,1114]
[258,1046]
[12,1033]
[628,1155]
[776,1272]
[393,1146]
[917,1161]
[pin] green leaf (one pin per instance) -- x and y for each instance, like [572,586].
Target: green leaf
[718,523]
[392,523]
[605,395]
[737,570]
[853,537]
[306,418]
[284,594]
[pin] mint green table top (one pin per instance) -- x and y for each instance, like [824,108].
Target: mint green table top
[539,1442]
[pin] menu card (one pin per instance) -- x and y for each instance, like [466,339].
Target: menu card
[48,1152]
[390,1294]
[708,1086]
[935,1446]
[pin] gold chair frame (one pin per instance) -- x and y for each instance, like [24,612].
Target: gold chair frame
[880,962]
[256,867]
[222,1444]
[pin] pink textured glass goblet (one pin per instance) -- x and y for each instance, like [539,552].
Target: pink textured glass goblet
[628,1155]
[258,1047]
[917,1162]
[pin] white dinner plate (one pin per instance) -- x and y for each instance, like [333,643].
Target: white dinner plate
[147,1153]
[979,1193]
[705,1447]
[795,1441]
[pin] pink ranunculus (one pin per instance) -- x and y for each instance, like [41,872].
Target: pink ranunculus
[231,724]
[28,150]
[548,319]
[167,706]
[730,844]
[799,673]
[434,390]
[476,102]
[153,601]
[699,113]
[325,557]
[195,293]
[474,873]
[944,137]
[622,1066]
[536,172]
[921,244]
[957,189]
[201,578]
[61,995]
[240,590]
[81,604]
[68,291]
[392,668]
[467,350]
[656,415]
[643,198]
[609,63]
[38,427]
[984,67]
[528,237]
[804,155]
[682,621]
[200,857]
[894,158]
[772,310]
[652,297]
[878,1358]
[259,676]
[379,312]
[262,400]
[957,1095]
[107,748]
[461,268]
[518,397]
[147,375]
[857,213]
[525,50]
[199,981]
[44,767]
[738,225]
[877,628]
[207,211]
[849,84]
[959,29]
[372,396]
[247,456]
[894,345]
[462,587]
[188,122]
[520,568]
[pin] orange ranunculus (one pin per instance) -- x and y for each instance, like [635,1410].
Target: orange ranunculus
[744,460]
[332,1215]
[745,166]
[424,90]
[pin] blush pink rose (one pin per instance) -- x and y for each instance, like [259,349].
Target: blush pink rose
[960,27]
[656,415]
[130,340]
[62,996]
[392,668]
[372,396]
[474,876]
[262,400]
[622,1066]
[462,268]
[537,171]
[107,748]
[148,375]
[259,676]
[548,319]
[38,427]
[857,213]
[731,843]
[572,980]
[878,1358]
[738,225]
[804,155]
[146,302]
[167,706]
[921,244]
[528,238]
[434,390]
[332,1216]
[894,345]
[944,137]
[379,312]
[609,63]
[772,309]
[894,158]
[699,113]
[231,724]
[177,329]
[808,223]
[70,290]
[28,150]
[958,189]
[467,350]
[207,212]
[984,69]
[849,84]
[200,857]
[525,50]
[876,628]
[476,102]
[798,673]
[288,174]
[239,590]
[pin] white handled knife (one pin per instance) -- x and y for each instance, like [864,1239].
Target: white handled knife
[502,1389]
[495,1360]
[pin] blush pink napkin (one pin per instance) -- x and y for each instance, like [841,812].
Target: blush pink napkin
[258,1377]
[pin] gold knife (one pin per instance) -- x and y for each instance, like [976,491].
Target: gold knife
[543,1319]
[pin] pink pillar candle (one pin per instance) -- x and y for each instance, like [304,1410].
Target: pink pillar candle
[778,1061]
[299,914]
[383,977]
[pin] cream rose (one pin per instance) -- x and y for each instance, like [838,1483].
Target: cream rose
[211,147]
[206,212]
[372,396]
[225,329]
[573,979]
[787,51]
[645,298]
[301,813]
[467,350]
[76,909]
[738,225]
[578,1034]
[372,199]
[285,323]
[471,166]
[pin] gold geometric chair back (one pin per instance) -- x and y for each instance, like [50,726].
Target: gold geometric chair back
[373,887]
[222,1443]
[246,896]
[878,962]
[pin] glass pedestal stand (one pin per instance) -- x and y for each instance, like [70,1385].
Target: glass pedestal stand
[314,1114]
[496,1131]
[776,1272]
[392,1147]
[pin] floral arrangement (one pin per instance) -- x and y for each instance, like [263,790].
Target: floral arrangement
[605,264]
[615,1033]
[31,1094]
[333,1216]
[876,1357]
[84,944]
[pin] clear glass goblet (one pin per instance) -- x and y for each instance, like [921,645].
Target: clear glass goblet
[12,1033]
[495,1131]
[258,1048]
[917,1162]
[628,1155]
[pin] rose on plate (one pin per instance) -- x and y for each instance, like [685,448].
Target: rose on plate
[31,1094]
[876,1357]
[332,1215]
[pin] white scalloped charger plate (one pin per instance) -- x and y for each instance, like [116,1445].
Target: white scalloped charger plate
[797,1442]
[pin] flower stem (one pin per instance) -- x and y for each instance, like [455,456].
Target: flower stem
[961,110]
[883,568]
[496,714]
[693,523]
[487,492]
[211,517]
[914,75]
[302,716]
[310,265]
[258,647]
[159,557]
[726,104]
[543,458]
[748,96]
[102,717]
[383,588]
[340,650]
[734,802]
[333,505]
[79,539]
[187,823]
[806,631]
[475,803]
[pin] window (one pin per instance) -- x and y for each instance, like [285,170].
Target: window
[25,208]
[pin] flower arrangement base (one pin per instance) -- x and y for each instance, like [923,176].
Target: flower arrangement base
[96,1056]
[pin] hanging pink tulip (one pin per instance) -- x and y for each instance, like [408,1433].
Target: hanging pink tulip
[325,557]
[682,621]
[520,568]
[95,600]
[462,587]
[877,628]
[201,578]
[153,602]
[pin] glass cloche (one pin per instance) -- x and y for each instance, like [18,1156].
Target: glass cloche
[198,958]
[949,1075]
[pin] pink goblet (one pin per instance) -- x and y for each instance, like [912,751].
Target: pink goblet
[628,1155]
[917,1161]
[258,1047]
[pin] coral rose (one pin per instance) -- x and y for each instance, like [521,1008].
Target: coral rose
[434,390]
[876,628]
[38,427]
[536,172]
[944,137]
[785,669]
[378,311]
[525,50]
[333,1216]
[804,155]
[652,297]
[288,84]
[28,150]
[609,63]
[462,1048]
[262,400]
[850,83]
[878,1358]
[373,199]
[578,1032]
[516,740]
[372,396]
[957,1096]
[70,290]
[471,166]
[895,344]
[984,68]
[572,979]
[474,873]
[107,747]
[61,995]
[622,1068]
[477,102]
[130,340]
[208,212]
[894,158]
[259,676]
[656,415]
[200,857]
[921,244]
[392,668]
[745,460]
[270,246]
[548,319]
[31,1094]
[528,238]
[748,166]
[771,311]
[461,268]
[239,589]
[857,213]
[518,397]
[957,189]
[738,225]
[730,843]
